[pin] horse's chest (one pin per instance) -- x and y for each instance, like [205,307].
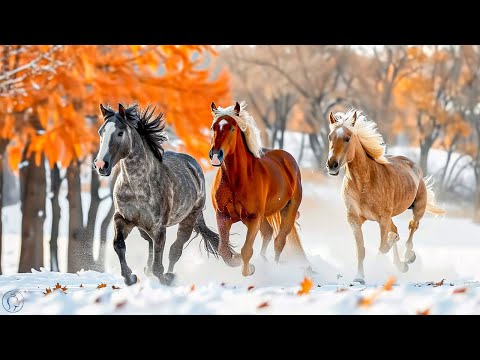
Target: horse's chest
[235,205]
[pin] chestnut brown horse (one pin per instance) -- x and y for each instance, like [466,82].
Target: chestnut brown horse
[376,187]
[260,187]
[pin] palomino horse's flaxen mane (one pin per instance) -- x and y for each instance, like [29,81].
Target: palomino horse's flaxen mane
[246,123]
[152,130]
[366,131]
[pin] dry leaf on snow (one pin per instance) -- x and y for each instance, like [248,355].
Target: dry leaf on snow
[102,285]
[305,286]
[263,305]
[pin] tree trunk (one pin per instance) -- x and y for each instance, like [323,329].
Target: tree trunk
[302,148]
[316,147]
[55,182]
[89,232]
[78,255]
[1,207]
[33,198]
[476,207]
[424,150]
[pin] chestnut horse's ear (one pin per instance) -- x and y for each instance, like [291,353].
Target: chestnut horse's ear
[121,111]
[333,119]
[354,118]
[213,106]
[103,110]
[236,110]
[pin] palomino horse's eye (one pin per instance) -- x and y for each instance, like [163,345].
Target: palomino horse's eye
[347,139]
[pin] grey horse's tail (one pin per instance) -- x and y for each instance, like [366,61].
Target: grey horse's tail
[210,238]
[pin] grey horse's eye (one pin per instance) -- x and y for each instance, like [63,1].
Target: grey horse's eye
[120,133]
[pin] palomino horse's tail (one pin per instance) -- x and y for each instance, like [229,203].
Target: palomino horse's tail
[210,238]
[293,239]
[432,206]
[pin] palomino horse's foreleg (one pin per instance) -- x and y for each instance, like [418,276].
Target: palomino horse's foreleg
[148,269]
[267,232]
[247,249]
[184,232]
[418,210]
[224,223]
[356,223]
[122,228]
[389,234]
[158,234]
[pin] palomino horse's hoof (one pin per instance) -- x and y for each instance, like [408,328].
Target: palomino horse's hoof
[402,267]
[251,270]
[166,279]
[130,279]
[410,257]
[359,280]
[234,261]
[264,258]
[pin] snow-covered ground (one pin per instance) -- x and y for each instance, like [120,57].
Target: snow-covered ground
[447,248]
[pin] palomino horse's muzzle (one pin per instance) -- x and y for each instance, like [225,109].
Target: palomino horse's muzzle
[333,167]
[216,157]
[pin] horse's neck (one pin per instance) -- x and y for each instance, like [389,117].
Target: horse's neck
[361,167]
[138,160]
[237,165]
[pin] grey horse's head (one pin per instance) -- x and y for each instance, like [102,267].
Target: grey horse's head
[117,135]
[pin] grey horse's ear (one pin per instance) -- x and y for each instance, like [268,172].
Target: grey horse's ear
[236,110]
[213,106]
[121,111]
[103,110]
[354,119]
[333,119]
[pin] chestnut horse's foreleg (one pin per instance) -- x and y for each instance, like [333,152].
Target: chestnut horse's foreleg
[267,232]
[418,210]
[253,226]
[224,223]
[122,228]
[356,223]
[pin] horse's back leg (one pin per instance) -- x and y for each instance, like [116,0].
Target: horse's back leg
[184,232]
[288,215]
[267,232]
[148,269]
[418,210]
[392,239]
[122,228]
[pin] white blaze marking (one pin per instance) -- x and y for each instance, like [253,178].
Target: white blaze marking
[105,139]
[222,123]
[340,131]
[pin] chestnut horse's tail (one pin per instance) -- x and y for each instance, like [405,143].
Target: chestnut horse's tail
[432,206]
[293,239]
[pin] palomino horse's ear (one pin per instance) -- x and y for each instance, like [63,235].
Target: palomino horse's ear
[333,119]
[213,106]
[121,111]
[236,110]
[354,118]
[103,110]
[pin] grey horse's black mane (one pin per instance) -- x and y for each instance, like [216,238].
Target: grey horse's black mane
[149,127]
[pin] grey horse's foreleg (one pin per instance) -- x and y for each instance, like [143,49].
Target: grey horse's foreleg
[184,232]
[122,228]
[148,269]
[159,237]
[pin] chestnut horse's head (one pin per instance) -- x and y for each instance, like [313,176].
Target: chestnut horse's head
[341,151]
[224,136]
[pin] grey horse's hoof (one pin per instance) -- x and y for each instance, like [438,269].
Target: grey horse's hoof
[402,267]
[166,279]
[359,280]
[410,257]
[147,270]
[130,279]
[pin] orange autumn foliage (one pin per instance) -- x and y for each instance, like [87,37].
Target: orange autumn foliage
[64,87]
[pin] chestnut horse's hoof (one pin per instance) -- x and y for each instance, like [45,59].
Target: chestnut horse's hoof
[166,279]
[251,270]
[130,279]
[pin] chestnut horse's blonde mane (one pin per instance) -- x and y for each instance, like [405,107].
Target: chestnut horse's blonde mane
[246,123]
[366,131]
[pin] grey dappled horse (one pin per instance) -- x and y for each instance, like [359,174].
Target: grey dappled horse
[154,189]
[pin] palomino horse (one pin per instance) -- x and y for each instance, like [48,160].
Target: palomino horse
[376,187]
[153,190]
[260,187]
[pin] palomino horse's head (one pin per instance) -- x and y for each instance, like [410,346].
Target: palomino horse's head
[224,136]
[341,150]
[115,140]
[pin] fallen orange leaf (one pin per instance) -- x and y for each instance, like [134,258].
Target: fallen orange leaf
[423,312]
[388,286]
[263,305]
[440,283]
[251,287]
[305,286]
[102,285]
[460,290]
[192,288]
[120,305]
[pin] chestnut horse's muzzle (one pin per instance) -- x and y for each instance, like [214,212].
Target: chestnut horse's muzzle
[216,157]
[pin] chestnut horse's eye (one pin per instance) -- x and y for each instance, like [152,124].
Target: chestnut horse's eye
[233,129]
